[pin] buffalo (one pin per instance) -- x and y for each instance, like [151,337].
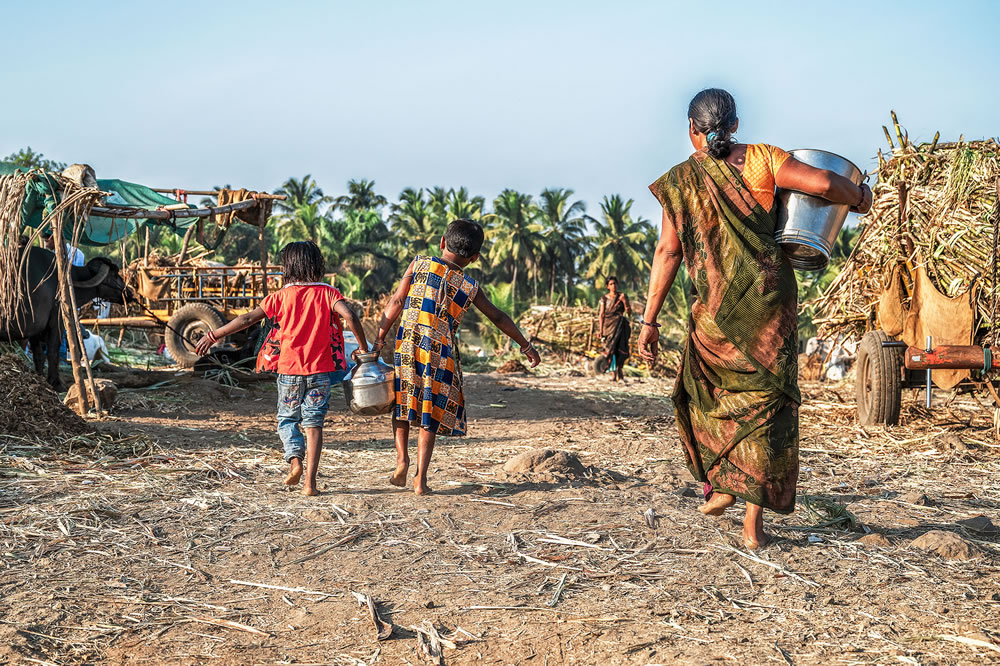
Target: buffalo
[38,320]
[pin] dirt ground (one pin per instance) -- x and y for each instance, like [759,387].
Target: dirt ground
[170,539]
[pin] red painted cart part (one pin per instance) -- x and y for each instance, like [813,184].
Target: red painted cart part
[950,357]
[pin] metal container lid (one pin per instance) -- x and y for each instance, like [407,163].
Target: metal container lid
[370,371]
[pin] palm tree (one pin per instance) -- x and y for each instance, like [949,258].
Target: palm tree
[515,235]
[360,195]
[416,227]
[305,221]
[459,205]
[299,192]
[563,229]
[620,246]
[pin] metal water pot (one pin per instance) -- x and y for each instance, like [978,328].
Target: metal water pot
[369,388]
[808,226]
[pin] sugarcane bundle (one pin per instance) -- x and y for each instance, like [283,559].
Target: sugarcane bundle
[572,329]
[575,330]
[935,206]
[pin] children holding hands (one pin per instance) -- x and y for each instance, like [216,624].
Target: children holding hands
[433,297]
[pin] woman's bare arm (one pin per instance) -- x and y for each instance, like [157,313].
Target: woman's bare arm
[393,308]
[600,315]
[666,263]
[798,176]
[628,306]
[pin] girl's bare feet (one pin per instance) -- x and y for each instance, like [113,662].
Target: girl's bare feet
[754,536]
[309,491]
[294,473]
[421,487]
[717,505]
[398,477]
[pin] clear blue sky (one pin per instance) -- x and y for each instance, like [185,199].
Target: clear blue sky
[588,95]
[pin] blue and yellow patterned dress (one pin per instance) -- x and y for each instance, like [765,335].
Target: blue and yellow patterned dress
[428,374]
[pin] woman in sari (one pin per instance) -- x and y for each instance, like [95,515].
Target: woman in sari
[616,330]
[736,397]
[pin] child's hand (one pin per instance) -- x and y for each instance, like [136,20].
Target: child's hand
[355,354]
[532,354]
[203,345]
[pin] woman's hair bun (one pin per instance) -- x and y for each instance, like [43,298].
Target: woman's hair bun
[713,112]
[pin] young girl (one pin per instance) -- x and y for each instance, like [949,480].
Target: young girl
[433,296]
[306,315]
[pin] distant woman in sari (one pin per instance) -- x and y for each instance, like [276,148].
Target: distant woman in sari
[736,398]
[616,329]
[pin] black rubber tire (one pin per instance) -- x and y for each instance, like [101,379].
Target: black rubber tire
[191,321]
[879,380]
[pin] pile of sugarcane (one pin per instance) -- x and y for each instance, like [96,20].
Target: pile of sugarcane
[935,205]
[570,329]
[576,331]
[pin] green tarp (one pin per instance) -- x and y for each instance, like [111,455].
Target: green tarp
[98,231]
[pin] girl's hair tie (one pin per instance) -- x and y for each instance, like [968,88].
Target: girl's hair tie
[711,136]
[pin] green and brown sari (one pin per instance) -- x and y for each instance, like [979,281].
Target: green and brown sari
[736,397]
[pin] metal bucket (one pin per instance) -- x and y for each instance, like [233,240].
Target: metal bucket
[808,226]
[369,388]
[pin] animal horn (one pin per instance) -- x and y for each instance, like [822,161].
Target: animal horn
[102,273]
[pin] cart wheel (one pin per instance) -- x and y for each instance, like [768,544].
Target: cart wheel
[186,327]
[879,379]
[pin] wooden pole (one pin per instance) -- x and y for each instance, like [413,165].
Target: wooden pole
[184,245]
[145,246]
[83,349]
[262,245]
[156,214]
[213,193]
[65,282]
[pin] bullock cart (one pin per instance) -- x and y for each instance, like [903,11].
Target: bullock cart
[920,289]
[185,297]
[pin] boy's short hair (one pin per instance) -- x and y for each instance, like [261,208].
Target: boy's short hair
[464,237]
[302,261]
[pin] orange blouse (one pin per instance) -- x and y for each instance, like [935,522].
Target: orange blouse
[759,169]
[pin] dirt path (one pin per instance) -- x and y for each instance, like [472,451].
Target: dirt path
[130,552]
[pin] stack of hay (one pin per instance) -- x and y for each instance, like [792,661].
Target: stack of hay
[947,225]
[29,406]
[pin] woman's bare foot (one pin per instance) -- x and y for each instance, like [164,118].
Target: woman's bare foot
[309,491]
[294,473]
[718,504]
[421,487]
[754,536]
[398,477]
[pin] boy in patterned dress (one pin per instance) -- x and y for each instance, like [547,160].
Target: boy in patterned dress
[432,297]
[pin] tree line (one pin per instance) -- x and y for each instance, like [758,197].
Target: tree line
[538,248]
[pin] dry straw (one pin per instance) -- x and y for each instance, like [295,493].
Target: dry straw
[935,206]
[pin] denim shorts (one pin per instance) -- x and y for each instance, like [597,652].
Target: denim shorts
[304,398]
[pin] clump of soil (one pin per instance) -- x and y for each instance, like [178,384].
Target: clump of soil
[545,461]
[948,545]
[511,366]
[30,406]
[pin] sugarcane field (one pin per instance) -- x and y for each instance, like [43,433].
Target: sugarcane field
[515,368]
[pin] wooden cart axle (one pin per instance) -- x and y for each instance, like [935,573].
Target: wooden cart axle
[951,357]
